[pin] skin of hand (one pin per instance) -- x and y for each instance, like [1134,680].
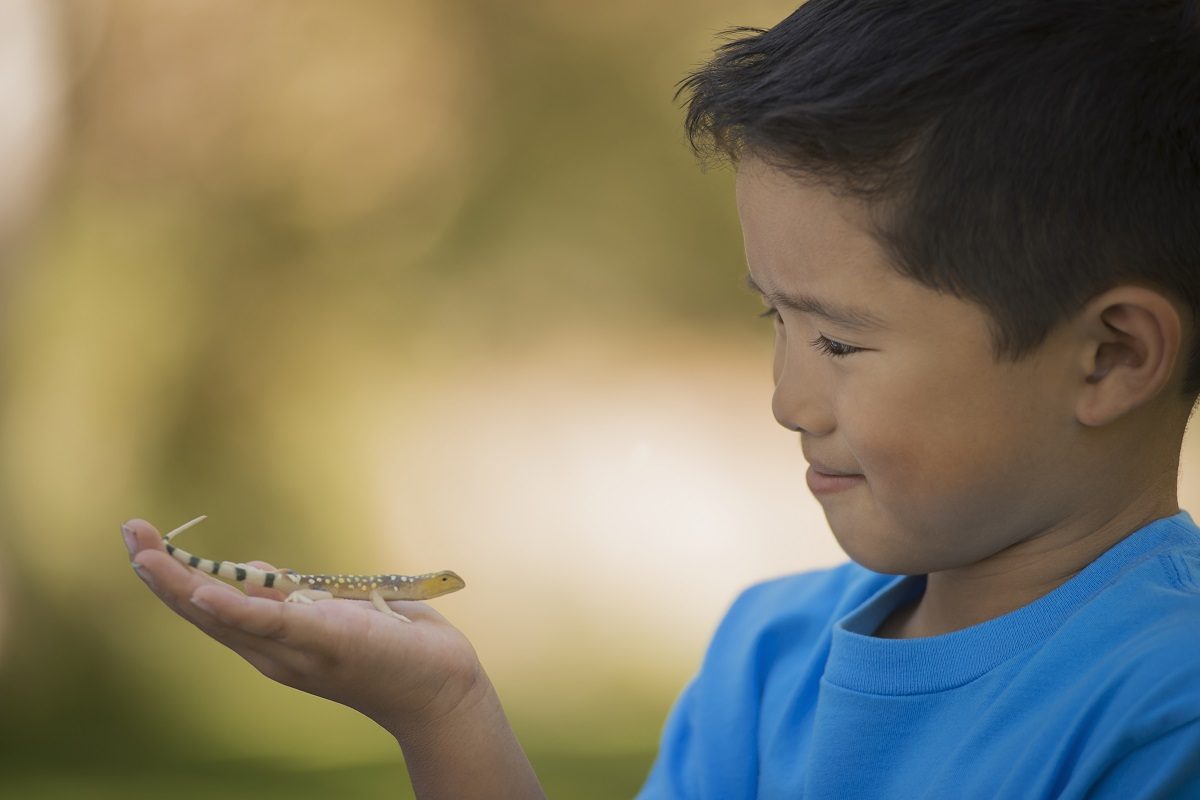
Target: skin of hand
[422,682]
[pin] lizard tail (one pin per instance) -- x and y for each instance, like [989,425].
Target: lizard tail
[184,527]
[242,573]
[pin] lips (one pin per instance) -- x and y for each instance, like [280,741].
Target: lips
[823,485]
[824,470]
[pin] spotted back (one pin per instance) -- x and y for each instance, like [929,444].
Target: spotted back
[390,587]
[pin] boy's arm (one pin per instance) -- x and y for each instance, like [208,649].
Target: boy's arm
[470,753]
[1165,768]
[423,682]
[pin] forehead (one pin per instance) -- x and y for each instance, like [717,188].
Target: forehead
[791,226]
[803,238]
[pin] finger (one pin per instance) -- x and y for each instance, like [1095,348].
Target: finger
[141,535]
[175,584]
[257,616]
[304,628]
[299,633]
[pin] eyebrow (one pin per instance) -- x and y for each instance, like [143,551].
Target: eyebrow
[853,318]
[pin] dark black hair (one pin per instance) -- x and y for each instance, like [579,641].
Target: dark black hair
[1025,155]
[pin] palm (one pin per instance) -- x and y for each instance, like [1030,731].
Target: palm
[375,655]
[344,650]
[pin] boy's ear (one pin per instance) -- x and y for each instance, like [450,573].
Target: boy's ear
[1132,336]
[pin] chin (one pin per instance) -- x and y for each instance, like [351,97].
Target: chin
[886,566]
[881,559]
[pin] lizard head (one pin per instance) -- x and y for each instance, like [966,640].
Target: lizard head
[419,587]
[444,582]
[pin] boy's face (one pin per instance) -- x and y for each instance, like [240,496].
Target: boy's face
[961,457]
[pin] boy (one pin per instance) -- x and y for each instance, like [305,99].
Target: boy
[977,229]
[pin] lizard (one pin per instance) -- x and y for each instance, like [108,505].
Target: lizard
[303,588]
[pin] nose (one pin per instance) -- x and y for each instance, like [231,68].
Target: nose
[798,402]
[794,415]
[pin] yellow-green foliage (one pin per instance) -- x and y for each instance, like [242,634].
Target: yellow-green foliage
[295,261]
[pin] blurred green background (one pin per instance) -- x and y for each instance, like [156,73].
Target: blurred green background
[379,287]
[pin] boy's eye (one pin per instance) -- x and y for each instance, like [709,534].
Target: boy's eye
[829,347]
[832,348]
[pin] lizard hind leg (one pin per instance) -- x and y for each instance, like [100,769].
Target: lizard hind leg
[381,604]
[308,596]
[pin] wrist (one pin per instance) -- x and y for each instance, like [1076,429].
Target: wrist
[469,752]
[462,701]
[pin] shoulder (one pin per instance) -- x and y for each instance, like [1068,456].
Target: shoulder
[775,633]
[1139,672]
[1153,606]
[1135,644]
[788,615]
[1160,609]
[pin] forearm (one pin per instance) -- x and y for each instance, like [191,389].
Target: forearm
[422,682]
[470,753]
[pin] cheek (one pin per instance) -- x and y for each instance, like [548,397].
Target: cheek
[932,452]
[914,431]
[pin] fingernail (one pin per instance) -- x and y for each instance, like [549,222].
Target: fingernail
[201,604]
[130,539]
[143,574]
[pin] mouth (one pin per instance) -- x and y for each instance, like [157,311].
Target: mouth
[822,483]
[833,473]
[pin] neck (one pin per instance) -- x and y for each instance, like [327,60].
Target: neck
[1016,576]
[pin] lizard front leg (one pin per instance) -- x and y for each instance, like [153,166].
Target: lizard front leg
[378,601]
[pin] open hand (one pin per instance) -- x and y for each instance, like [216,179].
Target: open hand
[405,677]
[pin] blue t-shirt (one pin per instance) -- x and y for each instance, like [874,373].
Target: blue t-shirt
[1093,690]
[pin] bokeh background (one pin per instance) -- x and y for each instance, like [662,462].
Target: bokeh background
[378,286]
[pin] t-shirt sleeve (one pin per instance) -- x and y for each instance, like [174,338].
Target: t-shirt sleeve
[1166,768]
[671,777]
[709,745]
[719,703]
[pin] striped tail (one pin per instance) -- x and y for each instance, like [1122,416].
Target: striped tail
[242,573]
